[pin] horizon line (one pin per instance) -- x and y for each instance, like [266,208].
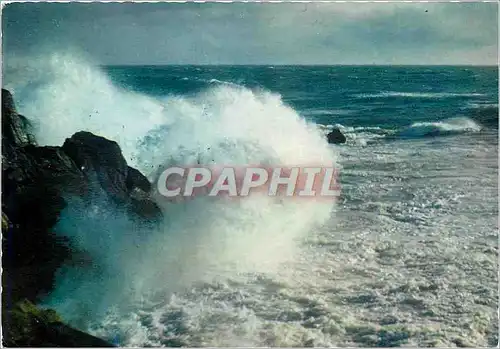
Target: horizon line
[295,65]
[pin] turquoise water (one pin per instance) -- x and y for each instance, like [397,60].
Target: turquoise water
[387,97]
[407,256]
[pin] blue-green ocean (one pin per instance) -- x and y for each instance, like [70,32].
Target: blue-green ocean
[406,256]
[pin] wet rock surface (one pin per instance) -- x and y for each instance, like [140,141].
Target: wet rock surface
[36,184]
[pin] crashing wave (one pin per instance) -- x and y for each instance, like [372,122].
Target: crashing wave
[200,239]
[439,128]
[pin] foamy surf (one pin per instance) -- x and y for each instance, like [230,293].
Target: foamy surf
[416,218]
[425,95]
[446,127]
[362,135]
[200,241]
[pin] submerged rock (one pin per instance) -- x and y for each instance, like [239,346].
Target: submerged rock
[336,137]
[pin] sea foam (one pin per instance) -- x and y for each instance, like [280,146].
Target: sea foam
[199,240]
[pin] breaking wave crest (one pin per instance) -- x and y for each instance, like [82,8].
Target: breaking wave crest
[446,127]
[200,240]
[363,135]
[425,95]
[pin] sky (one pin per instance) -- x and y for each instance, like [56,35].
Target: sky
[257,33]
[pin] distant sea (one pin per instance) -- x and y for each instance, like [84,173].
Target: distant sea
[407,256]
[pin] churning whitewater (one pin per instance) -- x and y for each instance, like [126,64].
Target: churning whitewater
[201,241]
[407,255]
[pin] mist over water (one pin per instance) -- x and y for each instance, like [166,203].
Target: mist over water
[201,240]
[407,256]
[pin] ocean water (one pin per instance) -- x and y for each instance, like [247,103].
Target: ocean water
[406,256]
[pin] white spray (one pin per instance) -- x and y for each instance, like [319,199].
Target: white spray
[201,239]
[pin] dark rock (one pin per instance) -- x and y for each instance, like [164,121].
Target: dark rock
[59,334]
[36,179]
[15,134]
[101,159]
[26,325]
[33,181]
[36,171]
[336,137]
[102,162]
[16,129]
[31,256]
[36,183]
[140,200]
[146,209]
[135,179]
[57,170]
[8,105]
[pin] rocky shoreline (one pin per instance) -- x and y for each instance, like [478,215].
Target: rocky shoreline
[37,182]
